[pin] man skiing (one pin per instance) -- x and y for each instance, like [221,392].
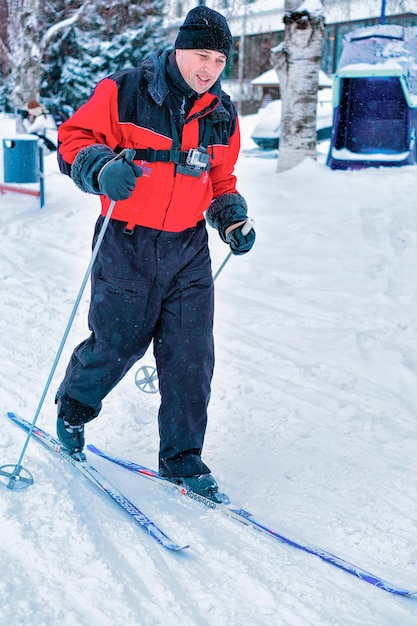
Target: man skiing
[152,279]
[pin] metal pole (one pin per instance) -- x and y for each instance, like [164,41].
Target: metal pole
[382,18]
[41,177]
[146,375]
[241,59]
[14,477]
[247,227]
[222,265]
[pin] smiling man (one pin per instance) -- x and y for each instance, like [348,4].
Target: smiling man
[152,279]
[200,68]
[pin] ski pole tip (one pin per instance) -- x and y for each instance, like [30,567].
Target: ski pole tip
[16,481]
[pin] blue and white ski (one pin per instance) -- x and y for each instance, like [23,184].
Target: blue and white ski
[94,476]
[249,519]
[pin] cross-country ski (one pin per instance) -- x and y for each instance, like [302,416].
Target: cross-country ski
[100,481]
[251,520]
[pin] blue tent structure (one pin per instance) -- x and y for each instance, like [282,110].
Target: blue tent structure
[375,99]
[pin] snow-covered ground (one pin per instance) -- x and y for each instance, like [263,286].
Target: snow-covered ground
[312,419]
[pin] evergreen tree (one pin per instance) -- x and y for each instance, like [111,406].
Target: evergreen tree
[59,50]
[109,37]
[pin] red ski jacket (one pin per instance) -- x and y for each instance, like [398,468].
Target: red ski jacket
[129,110]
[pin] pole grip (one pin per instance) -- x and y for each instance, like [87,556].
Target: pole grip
[247,226]
[244,225]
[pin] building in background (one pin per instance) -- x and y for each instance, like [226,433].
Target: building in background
[257,26]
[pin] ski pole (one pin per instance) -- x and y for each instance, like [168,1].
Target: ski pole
[146,376]
[246,228]
[15,479]
[15,475]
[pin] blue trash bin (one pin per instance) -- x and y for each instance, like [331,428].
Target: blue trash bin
[21,160]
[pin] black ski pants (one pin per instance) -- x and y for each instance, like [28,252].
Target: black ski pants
[152,285]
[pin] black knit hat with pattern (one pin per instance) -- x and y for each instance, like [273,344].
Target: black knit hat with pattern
[204,29]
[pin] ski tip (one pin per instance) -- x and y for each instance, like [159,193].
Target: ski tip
[169,544]
[185,547]
[176,548]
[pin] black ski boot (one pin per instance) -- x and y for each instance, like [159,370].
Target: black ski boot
[72,437]
[72,416]
[204,485]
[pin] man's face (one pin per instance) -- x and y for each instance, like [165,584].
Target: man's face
[200,68]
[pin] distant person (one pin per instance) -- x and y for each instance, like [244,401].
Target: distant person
[38,122]
[152,278]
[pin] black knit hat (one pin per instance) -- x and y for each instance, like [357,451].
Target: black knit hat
[204,29]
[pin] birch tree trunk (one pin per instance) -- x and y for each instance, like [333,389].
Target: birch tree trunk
[297,63]
[23,49]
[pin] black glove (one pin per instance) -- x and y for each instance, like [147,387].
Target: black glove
[240,243]
[117,179]
[229,215]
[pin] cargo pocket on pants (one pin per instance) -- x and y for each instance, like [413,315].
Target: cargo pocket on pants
[117,311]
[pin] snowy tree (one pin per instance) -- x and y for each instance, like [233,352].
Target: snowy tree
[23,48]
[113,36]
[297,63]
[67,45]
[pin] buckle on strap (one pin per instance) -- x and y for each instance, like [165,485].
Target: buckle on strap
[129,229]
[150,155]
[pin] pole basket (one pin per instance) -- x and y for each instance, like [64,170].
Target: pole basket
[15,477]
